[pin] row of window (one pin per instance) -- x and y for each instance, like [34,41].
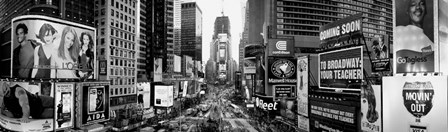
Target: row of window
[315,17]
[287,32]
[122,35]
[122,91]
[122,44]
[122,16]
[121,62]
[122,72]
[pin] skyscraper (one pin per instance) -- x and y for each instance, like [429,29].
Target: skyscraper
[78,11]
[191,34]
[116,23]
[142,54]
[177,26]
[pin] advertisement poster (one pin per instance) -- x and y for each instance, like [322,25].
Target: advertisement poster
[163,96]
[341,69]
[95,102]
[103,67]
[188,65]
[40,103]
[414,36]
[332,117]
[282,70]
[64,102]
[184,88]
[415,103]
[303,123]
[249,65]
[45,48]
[158,70]
[371,111]
[302,85]
[144,94]
[443,34]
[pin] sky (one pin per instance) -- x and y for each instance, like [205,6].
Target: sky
[212,9]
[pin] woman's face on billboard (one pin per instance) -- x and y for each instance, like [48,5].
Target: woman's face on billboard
[48,37]
[417,10]
[69,38]
[85,41]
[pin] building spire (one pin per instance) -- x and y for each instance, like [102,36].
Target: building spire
[222,7]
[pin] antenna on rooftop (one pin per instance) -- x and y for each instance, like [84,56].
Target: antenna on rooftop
[222,7]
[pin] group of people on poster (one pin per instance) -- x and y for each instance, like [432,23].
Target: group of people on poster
[44,57]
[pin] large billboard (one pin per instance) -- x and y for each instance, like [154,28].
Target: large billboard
[280,47]
[39,105]
[282,70]
[302,85]
[341,69]
[64,95]
[94,103]
[48,48]
[443,34]
[343,32]
[163,96]
[414,46]
[158,64]
[144,94]
[371,108]
[415,103]
[379,52]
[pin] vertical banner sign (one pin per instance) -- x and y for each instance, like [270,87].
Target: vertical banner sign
[64,102]
[443,34]
[371,110]
[40,104]
[103,67]
[379,53]
[303,123]
[415,103]
[414,36]
[46,48]
[302,85]
[144,94]
[95,102]
[341,69]
[158,70]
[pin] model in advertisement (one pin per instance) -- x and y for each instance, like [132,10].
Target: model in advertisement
[23,54]
[380,49]
[414,49]
[67,55]
[44,52]
[85,59]
[20,103]
[369,101]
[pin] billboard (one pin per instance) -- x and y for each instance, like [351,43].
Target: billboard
[163,96]
[48,48]
[253,50]
[189,65]
[284,91]
[158,70]
[40,106]
[415,103]
[250,65]
[302,85]
[371,108]
[379,52]
[282,70]
[325,116]
[343,32]
[341,69]
[280,47]
[414,37]
[303,123]
[144,94]
[102,67]
[64,101]
[94,103]
[177,63]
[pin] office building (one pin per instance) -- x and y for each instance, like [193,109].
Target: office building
[177,26]
[191,34]
[116,23]
[142,54]
[78,11]
[304,17]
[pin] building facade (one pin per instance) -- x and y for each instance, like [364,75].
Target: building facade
[78,11]
[191,34]
[142,54]
[177,26]
[116,23]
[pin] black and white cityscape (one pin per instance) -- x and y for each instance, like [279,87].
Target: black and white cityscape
[223,65]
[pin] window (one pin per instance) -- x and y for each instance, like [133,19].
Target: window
[112,53]
[112,12]
[103,31]
[112,33]
[116,14]
[112,3]
[103,21]
[112,22]
[103,12]
[112,73]
[103,51]
[102,41]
